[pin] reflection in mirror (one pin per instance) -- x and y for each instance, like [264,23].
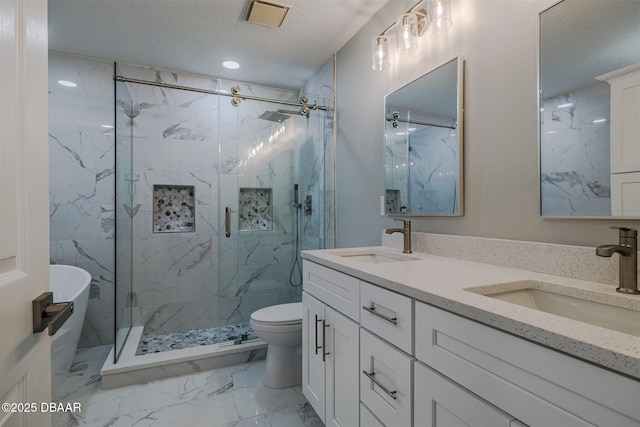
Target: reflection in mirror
[423,138]
[589,58]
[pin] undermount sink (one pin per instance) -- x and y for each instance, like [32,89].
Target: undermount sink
[576,304]
[374,257]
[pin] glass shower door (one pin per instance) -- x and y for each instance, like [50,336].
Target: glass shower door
[268,153]
[123,213]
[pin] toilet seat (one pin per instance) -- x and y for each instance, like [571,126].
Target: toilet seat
[281,314]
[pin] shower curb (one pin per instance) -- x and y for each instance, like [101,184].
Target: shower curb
[132,369]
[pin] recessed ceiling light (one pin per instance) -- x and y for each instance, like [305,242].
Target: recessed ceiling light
[599,120]
[67,83]
[231,65]
[567,105]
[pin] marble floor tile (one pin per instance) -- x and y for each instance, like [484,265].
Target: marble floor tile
[225,397]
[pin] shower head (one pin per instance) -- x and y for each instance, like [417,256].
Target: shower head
[275,116]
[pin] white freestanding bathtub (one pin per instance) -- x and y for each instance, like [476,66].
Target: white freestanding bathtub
[67,283]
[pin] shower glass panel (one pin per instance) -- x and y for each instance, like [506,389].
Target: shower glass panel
[124,213]
[268,152]
[188,161]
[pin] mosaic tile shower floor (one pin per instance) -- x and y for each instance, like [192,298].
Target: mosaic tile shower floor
[156,343]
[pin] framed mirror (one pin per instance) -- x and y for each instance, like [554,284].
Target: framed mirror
[423,143]
[589,95]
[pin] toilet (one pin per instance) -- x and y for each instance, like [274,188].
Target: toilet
[280,326]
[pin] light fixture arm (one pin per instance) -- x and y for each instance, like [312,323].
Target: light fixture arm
[421,14]
[432,15]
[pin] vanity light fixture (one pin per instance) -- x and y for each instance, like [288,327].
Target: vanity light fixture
[380,59]
[407,33]
[426,15]
[439,15]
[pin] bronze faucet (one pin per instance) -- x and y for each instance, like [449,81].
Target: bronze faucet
[628,250]
[406,231]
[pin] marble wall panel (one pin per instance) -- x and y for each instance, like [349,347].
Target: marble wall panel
[321,84]
[575,155]
[174,138]
[424,168]
[433,170]
[81,180]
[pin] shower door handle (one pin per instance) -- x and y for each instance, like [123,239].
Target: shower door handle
[227,221]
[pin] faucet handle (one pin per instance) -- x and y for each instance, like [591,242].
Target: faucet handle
[406,222]
[625,231]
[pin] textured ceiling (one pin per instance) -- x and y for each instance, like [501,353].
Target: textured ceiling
[197,35]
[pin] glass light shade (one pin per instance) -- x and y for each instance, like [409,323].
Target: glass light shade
[380,53]
[407,33]
[438,15]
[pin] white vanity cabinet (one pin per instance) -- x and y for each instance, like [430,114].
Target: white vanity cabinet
[330,343]
[439,402]
[536,385]
[386,346]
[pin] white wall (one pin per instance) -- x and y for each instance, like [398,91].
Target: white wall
[497,39]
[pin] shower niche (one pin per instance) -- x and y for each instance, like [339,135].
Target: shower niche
[256,209]
[174,208]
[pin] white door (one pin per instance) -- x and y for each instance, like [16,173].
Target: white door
[25,371]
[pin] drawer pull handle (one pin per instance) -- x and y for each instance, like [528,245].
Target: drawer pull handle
[318,347]
[372,310]
[324,333]
[371,376]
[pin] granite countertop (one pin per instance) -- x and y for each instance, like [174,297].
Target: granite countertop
[441,281]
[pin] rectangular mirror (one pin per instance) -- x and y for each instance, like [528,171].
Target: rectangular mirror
[423,142]
[589,83]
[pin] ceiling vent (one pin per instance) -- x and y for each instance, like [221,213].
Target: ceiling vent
[269,14]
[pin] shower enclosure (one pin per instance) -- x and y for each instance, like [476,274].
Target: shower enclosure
[218,187]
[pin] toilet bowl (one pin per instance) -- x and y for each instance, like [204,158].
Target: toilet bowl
[280,326]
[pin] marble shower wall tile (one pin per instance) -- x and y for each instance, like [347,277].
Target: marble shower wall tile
[434,184]
[322,84]
[175,135]
[575,154]
[423,184]
[81,181]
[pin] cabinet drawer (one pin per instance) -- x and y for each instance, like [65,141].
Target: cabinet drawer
[388,315]
[387,390]
[367,419]
[335,289]
[440,402]
[538,386]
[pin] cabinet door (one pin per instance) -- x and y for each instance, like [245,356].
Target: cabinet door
[342,378]
[313,384]
[439,402]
